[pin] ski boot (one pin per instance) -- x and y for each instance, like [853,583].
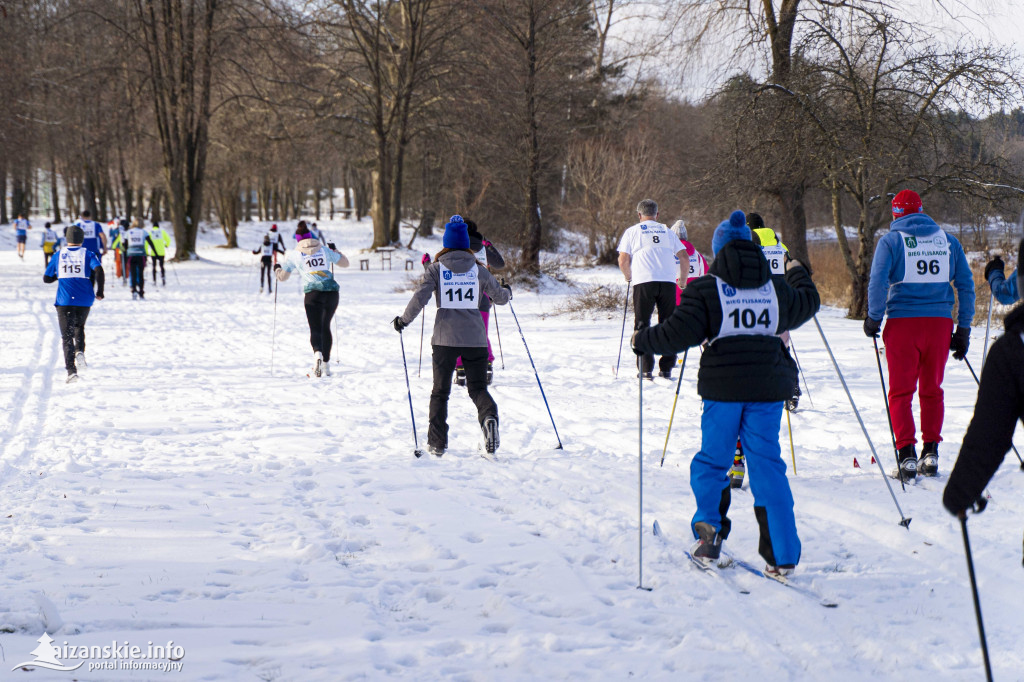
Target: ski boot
[490,372]
[460,376]
[780,573]
[318,363]
[435,450]
[793,402]
[907,469]
[708,547]
[665,375]
[738,468]
[326,368]
[72,377]
[646,375]
[490,430]
[163,281]
[928,465]
[135,295]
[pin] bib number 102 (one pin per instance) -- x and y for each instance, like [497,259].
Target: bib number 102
[748,319]
[457,294]
[316,263]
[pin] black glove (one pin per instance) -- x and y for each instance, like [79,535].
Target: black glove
[993,265]
[871,327]
[331,246]
[960,342]
[794,263]
[958,505]
[506,287]
[276,267]
[399,325]
[632,344]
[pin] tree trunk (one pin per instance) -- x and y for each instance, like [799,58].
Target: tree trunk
[154,205]
[794,222]
[247,216]
[3,194]
[531,245]
[379,210]
[54,194]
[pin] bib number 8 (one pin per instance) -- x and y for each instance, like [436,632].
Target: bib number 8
[458,293]
[927,267]
[748,319]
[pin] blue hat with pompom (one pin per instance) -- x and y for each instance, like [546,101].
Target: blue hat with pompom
[733,228]
[456,233]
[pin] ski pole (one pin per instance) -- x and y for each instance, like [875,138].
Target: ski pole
[273,334]
[625,307]
[801,370]
[674,400]
[423,325]
[984,351]
[497,330]
[175,271]
[977,601]
[640,488]
[977,381]
[885,397]
[415,439]
[792,450]
[518,326]
[904,520]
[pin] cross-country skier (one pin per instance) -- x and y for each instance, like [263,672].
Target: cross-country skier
[910,283]
[490,258]
[654,260]
[745,376]
[21,227]
[456,281]
[50,242]
[278,239]
[134,243]
[268,249]
[1004,289]
[94,240]
[697,265]
[75,269]
[160,240]
[312,260]
[1000,404]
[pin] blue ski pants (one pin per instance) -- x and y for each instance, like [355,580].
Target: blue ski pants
[757,427]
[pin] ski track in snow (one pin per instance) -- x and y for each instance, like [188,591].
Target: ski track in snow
[279,528]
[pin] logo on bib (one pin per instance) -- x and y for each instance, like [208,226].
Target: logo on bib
[447,274]
[728,290]
[643,227]
[911,242]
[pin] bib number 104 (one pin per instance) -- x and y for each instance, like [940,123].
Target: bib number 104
[748,319]
[456,294]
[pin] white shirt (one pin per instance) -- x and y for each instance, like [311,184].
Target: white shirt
[652,248]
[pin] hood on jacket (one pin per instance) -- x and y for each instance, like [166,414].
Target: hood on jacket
[309,246]
[916,224]
[458,261]
[740,263]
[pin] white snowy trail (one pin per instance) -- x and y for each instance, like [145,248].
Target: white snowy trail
[279,528]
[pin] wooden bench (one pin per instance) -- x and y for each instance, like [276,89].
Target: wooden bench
[385,255]
[409,265]
[364,263]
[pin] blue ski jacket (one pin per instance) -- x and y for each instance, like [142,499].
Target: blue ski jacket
[1003,288]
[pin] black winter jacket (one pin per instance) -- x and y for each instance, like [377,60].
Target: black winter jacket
[747,368]
[1000,404]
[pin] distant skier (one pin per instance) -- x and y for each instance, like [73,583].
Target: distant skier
[76,270]
[268,249]
[910,283]
[697,265]
[655,261]
[744,378]
[50,242]
[94,240]
[135,242]
[312,261]
[456,281]
[277,239]
[999,406]
[490,258]
[21,227]
[160,240]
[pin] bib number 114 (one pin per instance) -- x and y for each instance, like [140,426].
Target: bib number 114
[457,294]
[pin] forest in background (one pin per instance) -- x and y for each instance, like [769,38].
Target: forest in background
[536,118]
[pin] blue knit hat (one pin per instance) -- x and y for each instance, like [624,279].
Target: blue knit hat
[456,233]
[733,228]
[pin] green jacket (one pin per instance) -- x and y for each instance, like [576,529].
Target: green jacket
[161,240]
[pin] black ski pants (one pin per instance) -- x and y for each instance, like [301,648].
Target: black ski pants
[137,267]
[267,266]
[71,319]
[647,297]
[160,259]
[474,359]
[320,308]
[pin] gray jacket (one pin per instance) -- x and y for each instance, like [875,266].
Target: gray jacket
[455,327]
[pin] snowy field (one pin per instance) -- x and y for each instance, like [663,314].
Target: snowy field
[279,528]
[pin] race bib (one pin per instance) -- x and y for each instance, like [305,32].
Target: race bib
[748,311]
[926,259]
[89,229]
[268,249]
[136,238]
[71,264]
[654,236]
[315,262]
[481,255]
[776,257]
[696,267]
[460,290]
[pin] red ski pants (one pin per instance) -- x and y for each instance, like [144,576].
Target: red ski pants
[916,350]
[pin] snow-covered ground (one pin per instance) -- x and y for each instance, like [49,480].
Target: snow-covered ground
[279,528]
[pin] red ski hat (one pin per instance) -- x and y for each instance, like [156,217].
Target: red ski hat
[907,201]
[273,228]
